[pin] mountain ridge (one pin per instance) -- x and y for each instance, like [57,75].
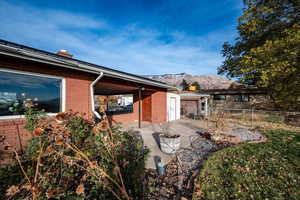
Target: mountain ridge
[206,82]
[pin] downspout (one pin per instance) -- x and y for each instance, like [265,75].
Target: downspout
[92,95]
[140,107]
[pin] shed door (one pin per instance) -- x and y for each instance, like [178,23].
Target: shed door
[146,108]
[172,110]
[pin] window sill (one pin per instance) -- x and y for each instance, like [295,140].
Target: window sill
[110,113]
[21,116]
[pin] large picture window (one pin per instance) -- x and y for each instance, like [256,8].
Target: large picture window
[15,87]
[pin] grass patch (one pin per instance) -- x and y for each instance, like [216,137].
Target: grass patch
[269,170]
[274,119]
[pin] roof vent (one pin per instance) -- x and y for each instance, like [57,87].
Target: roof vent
[64,53]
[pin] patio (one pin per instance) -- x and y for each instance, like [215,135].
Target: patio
[193,148]
[182,168]
[150,132]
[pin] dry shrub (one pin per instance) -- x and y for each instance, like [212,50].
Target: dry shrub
[74,158]
[219,118]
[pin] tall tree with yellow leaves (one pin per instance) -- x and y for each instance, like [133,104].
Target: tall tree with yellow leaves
[267,51]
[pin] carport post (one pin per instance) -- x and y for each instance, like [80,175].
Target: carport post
[140,98]
[107,103]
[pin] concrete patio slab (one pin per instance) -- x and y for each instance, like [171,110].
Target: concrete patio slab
[192,143]
[188,129]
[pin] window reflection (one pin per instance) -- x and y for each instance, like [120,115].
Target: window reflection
[16,87]
[115,104]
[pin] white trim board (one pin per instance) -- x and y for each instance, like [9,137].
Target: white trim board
[21,116]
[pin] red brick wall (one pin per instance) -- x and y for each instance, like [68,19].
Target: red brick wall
[78,95]
[13,131]
[16,136]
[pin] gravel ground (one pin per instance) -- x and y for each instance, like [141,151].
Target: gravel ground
[244,133]
[181,171]
[186,163]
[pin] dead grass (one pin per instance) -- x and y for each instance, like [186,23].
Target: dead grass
[265,125]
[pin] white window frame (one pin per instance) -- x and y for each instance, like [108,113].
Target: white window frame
[62,90]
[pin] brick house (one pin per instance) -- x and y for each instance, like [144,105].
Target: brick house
[238,97]
[58,82]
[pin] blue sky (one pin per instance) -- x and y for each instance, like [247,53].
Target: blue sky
[136,36]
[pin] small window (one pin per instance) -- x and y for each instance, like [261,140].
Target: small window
[219,97]
[241,98]
[15,87]
[202,106]
[115,104]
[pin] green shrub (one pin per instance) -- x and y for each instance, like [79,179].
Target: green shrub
[30,110]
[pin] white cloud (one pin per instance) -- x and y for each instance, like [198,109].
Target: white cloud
[130,49]
[68,19]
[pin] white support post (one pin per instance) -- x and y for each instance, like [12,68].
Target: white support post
[206,107]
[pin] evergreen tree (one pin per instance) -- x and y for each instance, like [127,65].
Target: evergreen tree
[184,85]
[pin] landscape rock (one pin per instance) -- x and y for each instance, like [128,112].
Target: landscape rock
[185,166]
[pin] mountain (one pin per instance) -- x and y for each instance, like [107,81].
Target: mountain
[205,81]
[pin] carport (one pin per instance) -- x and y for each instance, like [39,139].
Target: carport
[149,101]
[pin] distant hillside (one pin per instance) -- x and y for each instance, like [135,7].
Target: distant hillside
[205,81]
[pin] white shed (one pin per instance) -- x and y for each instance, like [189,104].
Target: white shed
[173,106]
